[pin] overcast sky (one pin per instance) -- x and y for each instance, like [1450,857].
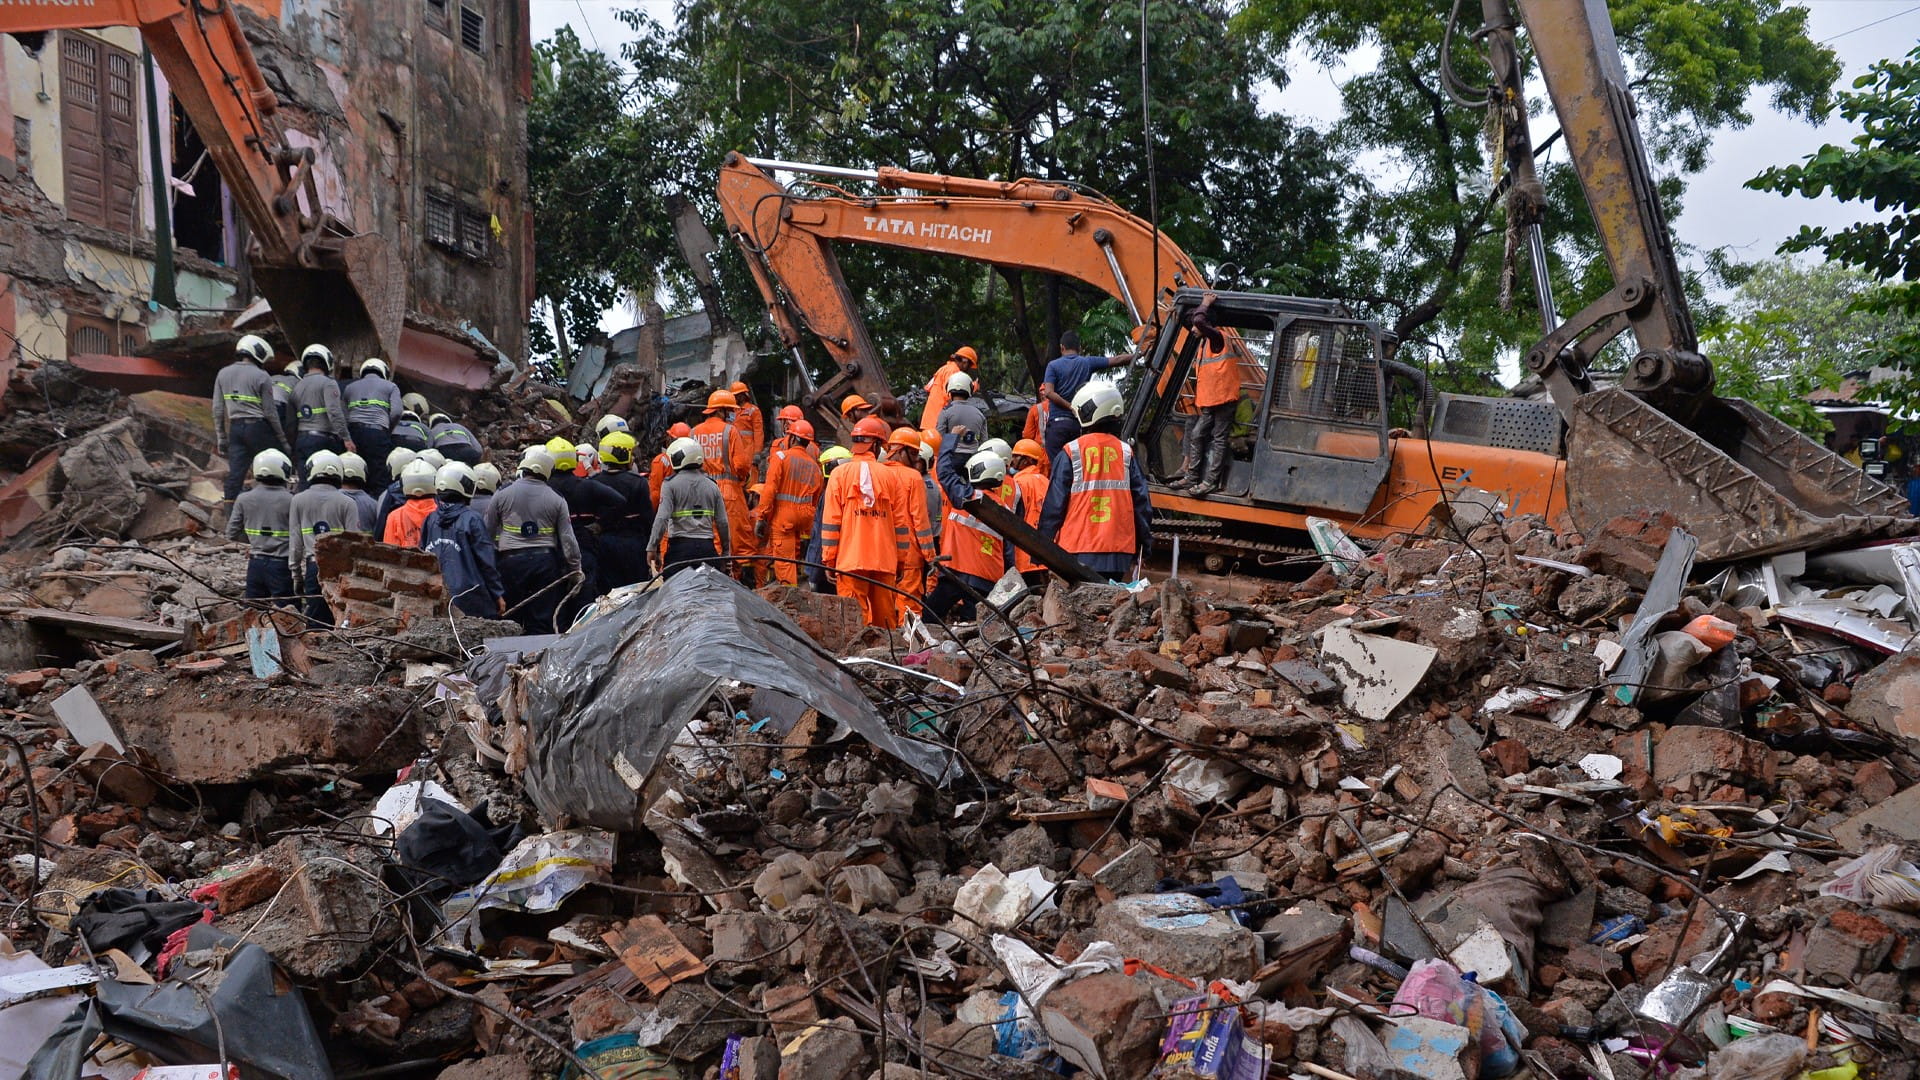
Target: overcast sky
[1718,211]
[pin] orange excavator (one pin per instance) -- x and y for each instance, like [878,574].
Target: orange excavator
[324,282]
[1319,440]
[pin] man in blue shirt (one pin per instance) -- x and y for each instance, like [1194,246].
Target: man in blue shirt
[1064,377]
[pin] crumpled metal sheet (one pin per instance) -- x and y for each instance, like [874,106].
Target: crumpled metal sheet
[611,696]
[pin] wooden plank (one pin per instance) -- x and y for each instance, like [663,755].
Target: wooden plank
[99,627]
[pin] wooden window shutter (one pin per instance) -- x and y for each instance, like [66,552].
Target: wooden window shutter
[100,147]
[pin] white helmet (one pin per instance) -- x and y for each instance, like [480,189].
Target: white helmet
[537,461]
[454,478]
[588,457]
[272,463]
[609,423]
[417,478]
[1097,401]
[353,466]
[999,448]
[926,452]
[255,348]
[327,463]
[959,383]
[685,453]
[485,476]
[416,404]
[375,365]
[986,469]
[439,418]
[432,457]
[292,368]
[400,458]
[316,352]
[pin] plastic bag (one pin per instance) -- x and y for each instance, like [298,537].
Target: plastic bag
[1758,1057]
[1436,989]
[1880,878]
[1713,632]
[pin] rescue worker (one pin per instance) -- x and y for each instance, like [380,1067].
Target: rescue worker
[486,479]
[353,484]
[660,469]
[403,525]
[789,415]
[1031,481]
[457,536]
[623,532]
[749,419]
[998,448]
[411,432]
[964,361]
[390,499]
[973,556]
[1097,504]
[854,408]
[319,416]
[726,459]
[1216,394]
[1061,384]
[866,526]
[538,554]
[373,404]
[453,440]
[903,469]
[830,459]
[415,403]
[608,424]
[283,385]
[260,517]
[244,419]
[692,516]
[963,418]
[585,504]
[936,497]
[320,508]
[784,520]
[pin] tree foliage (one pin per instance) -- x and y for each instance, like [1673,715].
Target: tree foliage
[1425,235]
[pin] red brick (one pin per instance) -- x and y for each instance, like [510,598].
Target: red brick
[1511,756]
[250,887]
[1874,783]
[28,683]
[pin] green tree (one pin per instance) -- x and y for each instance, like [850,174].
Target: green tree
[1881,170]
[1426,236]
[1007,88]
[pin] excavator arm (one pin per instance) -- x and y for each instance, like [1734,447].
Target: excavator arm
[1026,224]
[1743,481]
[324,283]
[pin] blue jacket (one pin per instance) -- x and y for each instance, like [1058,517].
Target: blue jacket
[458,538]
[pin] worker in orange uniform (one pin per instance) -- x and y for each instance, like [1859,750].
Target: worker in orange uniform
[963,361]
[748,418]
[1030,432]
[784,519]
[973,556]
[727,459]
[1097,504]
[788,416]
[661,467]
[866,526]
[902,468]
[1031,480]
[1216,395]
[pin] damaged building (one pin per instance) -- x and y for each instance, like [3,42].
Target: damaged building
[418,160]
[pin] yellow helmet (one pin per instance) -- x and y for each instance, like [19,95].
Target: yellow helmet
[617,447]
[832,456]
[565,457]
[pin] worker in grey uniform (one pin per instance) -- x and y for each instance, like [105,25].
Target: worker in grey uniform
[963,418]
[319,509]
[319,412]
[260,517]
[452,440]
[373,404]
[244,419]
[486,480]
[691,517]
[537,553]
[353,472]
[283,385]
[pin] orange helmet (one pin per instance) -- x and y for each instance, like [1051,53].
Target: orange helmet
[1027,448]
[679,431]
[741,388]
[852,402]
[789,413]
[930,439]
[905,436]
[965,352]
[721,399]
[800,429]
[871,427]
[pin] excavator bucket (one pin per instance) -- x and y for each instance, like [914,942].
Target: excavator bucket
[1750,486]
[355,300]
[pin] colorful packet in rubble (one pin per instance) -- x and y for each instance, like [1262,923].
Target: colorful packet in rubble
[1437,989]
[1205,1038]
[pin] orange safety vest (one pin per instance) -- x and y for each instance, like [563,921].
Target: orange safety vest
[403,525]
[793,479]
[1099,517]
[748,419]
[725,449]
[972,547]
[1031,483]
[863,526]
[1216,377]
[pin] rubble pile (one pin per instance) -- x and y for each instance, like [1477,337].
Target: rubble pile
[1506,803]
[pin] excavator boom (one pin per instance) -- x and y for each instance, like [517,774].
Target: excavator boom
[323,282]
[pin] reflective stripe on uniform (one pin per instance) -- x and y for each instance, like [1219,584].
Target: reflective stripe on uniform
[267,532]
[242,397]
